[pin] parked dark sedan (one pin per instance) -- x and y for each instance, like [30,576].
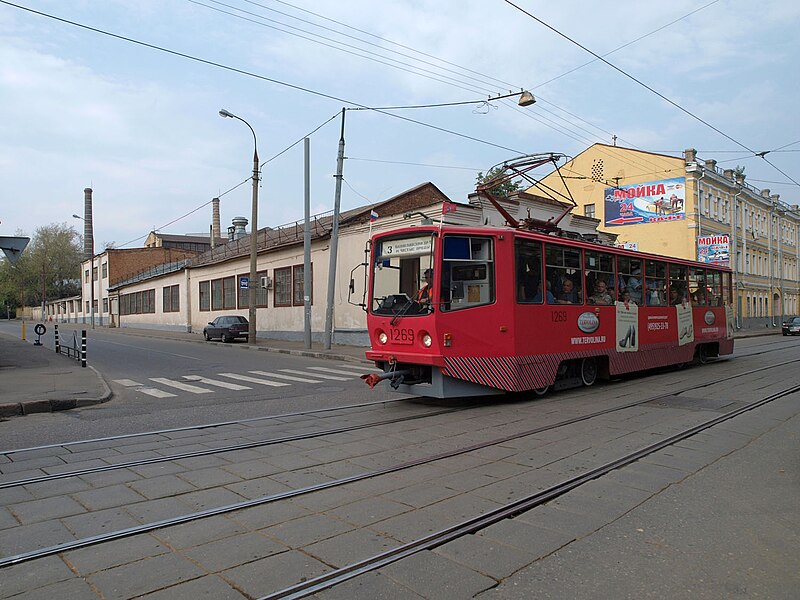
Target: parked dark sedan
[791,327]
[227,328]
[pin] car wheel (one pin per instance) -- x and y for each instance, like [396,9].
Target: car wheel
[227,339]
[206,336]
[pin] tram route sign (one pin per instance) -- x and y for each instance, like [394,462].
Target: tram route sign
[406,247]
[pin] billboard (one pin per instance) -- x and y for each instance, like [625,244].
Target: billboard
[651,202]
[714,249]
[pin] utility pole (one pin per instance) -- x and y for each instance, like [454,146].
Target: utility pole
[307,246]
[334,243]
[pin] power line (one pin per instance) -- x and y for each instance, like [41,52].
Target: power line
[651,89]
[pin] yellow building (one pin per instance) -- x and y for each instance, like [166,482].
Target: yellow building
[690,208]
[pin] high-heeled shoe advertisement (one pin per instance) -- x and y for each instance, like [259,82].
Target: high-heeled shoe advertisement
[627,324]
[685,324]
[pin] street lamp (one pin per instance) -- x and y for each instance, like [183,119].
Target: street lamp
[525,99]
[251,335]
[88,250]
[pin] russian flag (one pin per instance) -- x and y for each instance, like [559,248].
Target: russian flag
[373,216]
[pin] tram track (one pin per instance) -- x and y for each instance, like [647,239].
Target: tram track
[511,509]
[161,524]
[297,437]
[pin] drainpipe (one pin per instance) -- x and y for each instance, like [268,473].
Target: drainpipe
[737,303]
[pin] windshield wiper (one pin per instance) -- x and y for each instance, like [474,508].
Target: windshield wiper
[402,312]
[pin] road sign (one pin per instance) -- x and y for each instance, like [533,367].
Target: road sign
[244,283]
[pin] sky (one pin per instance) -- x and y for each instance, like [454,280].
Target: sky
[136,119]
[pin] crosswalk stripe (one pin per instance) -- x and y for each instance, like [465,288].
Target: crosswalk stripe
[335,371]
[287,377]
[317,375]
[217,382]
[155,392]
[253,379]
[181,386]
[127,382]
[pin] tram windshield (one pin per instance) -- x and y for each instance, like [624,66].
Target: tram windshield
[403,276]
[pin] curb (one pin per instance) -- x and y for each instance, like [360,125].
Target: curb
[30,407]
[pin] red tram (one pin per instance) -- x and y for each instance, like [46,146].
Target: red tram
[510,310]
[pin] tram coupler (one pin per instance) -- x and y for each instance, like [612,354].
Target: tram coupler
[395,377]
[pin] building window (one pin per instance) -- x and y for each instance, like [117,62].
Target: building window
[86,276]
[298,298]
[138,302]
[588,211]
[261,291]
[171,298]
[104,270]
[87,302]
[205,295]
[223,293]
[283,287]
[94,273]
[105,305]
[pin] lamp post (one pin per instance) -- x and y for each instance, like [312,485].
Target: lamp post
[88,250]
[251,335]
[525,99]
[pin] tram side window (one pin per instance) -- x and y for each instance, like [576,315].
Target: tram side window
[630,279]
[564,274]
[698,287]
[678,281]
[714,288]
[600,280]
[468,276]
[656,283]
[528,259]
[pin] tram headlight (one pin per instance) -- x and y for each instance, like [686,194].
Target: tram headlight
[382,337]
[427,340]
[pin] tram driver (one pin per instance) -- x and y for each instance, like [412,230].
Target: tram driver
[424,294]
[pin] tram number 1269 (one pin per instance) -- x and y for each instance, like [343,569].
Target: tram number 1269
[401,336]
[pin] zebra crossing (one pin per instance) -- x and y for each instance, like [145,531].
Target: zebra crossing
[241,381]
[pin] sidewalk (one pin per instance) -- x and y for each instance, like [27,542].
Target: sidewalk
[35,379]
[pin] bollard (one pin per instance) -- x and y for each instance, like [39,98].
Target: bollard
[58,345]
[83,347]
[23,331]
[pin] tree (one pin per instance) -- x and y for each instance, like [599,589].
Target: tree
[49,268]
[505,189]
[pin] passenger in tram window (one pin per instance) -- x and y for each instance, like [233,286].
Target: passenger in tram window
[601,295]
[634,286]
[674,297]
[625,296]
[699,297]
[538,296]
[654,294]
[568,293]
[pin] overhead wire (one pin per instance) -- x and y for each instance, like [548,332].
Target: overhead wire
[648,87]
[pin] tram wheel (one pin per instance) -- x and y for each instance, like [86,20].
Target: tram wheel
[588,371]
[541,391]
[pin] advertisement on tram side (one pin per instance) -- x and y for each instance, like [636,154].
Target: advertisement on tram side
[651,202]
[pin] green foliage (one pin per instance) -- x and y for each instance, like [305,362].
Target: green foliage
[51,264]
[505,189]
